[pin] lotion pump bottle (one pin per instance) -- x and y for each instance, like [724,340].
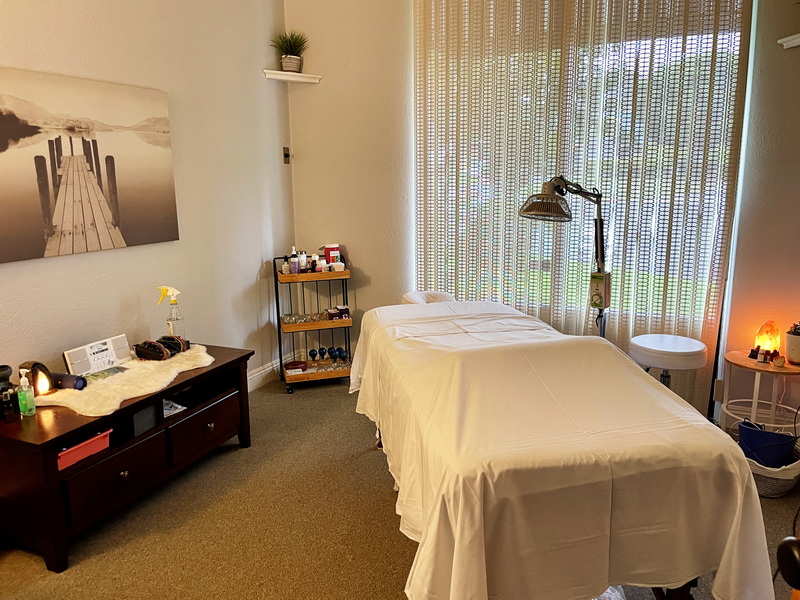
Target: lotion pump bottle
[27,405]
[294,262]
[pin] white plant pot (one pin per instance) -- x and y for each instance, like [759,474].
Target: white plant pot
[793,349]
[293,64]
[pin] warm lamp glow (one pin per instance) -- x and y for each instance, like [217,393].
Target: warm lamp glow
[42,384]
[768,336]
[38,377]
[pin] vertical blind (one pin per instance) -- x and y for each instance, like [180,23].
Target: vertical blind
[642,99]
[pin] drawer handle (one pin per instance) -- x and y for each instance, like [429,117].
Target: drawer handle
[210,426]
[124,475]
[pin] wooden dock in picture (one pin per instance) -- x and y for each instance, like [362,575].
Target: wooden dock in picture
[83,220]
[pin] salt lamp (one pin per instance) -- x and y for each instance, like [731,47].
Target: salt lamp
[768,336]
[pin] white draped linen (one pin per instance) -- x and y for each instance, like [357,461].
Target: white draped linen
[532,465]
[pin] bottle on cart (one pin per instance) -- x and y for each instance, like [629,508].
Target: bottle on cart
[27,405]
[294,262]
[285,266]
[303,261]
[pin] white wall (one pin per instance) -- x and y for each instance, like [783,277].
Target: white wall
[233,192]
[352,141]
[765,281]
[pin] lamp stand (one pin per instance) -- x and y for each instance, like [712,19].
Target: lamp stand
[549,206]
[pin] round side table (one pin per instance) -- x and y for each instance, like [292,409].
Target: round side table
[666,352]
[772,413]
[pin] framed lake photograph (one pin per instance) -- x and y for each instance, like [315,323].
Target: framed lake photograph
[85,166]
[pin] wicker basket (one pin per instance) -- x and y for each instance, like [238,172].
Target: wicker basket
[774,483]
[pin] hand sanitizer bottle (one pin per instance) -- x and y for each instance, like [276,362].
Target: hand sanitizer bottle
[27,405]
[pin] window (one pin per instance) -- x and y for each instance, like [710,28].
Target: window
[643,100]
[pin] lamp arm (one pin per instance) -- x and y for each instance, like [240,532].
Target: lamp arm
[599,243]
[563,186]
[595,197]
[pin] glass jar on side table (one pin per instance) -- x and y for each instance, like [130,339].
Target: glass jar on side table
[771,413]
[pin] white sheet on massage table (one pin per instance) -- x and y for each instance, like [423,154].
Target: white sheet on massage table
[534,465]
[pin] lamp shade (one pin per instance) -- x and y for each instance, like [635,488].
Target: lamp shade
[546,206]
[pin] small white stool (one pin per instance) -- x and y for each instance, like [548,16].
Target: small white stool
[667,352]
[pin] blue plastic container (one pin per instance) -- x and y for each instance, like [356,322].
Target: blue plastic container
[769,448]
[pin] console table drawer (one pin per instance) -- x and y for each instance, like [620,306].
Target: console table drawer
[194,436]
[109,484]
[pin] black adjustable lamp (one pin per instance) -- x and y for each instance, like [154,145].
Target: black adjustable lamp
[550,205]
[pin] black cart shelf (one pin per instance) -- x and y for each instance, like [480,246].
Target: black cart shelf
[311,294]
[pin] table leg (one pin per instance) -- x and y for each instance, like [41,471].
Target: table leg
[55,556]
[756,389]
[682,593]
[726,395]
[774,406]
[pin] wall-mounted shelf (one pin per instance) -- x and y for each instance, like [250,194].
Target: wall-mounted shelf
[790,42]
[292,77]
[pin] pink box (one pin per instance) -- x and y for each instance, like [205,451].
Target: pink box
[91,446]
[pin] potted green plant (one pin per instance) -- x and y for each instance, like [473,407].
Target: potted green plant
[793,344]
[291,44]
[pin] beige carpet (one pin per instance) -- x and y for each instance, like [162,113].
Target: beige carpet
[306,512]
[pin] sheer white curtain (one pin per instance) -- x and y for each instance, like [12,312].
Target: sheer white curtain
[642,99]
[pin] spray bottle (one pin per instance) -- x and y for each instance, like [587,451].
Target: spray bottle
[27,405]
[174,320]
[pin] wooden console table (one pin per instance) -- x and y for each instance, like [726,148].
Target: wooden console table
[42,507]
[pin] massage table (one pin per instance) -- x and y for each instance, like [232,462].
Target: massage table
[533,465]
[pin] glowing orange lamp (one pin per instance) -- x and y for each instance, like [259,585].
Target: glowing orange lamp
[40,377]
[768,342]
[42,384]
[768,336]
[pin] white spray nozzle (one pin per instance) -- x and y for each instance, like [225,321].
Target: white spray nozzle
[23,379]
[168,291]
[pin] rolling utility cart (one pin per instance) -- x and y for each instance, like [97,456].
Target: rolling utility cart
[312,339]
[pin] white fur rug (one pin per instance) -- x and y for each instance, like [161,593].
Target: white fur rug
[104,396]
